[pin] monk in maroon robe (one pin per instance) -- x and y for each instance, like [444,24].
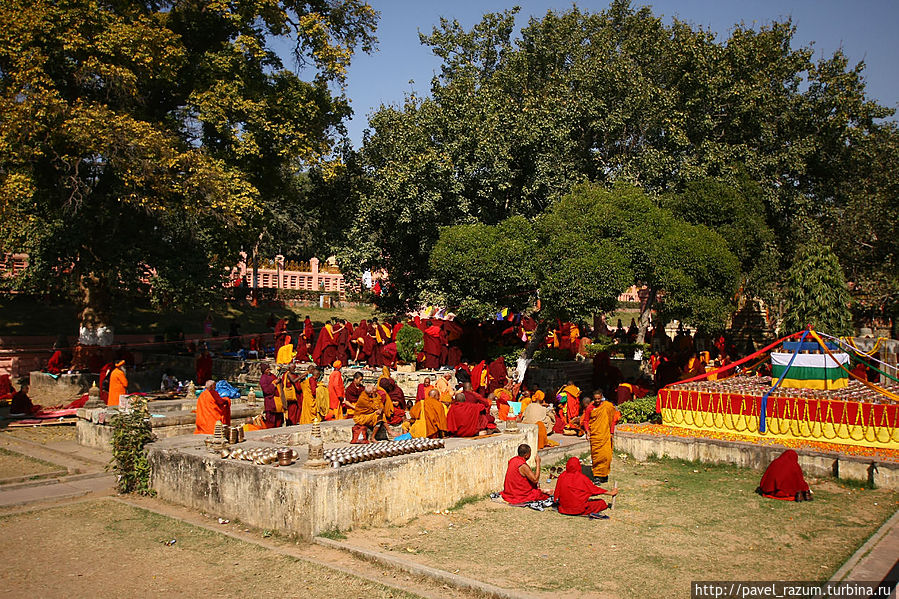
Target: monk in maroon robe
[783,479]
[521,483]
[397,397]
[343,342]
[55,364]
[464,418]
[352,393]
[308,331]
[325,351]
[362,343]
[204,368]
[487,422]
[574,490]
[497,375]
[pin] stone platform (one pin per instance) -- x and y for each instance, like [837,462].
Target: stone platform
[305,502]
[168,418]
[881,473]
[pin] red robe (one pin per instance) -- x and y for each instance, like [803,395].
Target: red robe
[434,340]
[302,350]
[308,331]
[574,489]
[6,390]
[783,478]
[398,398]
[367,345]
[54,365]
[487,422]
[476,376]
[465,419]
[516,488]
[325,351]
[204,369]
[497,375]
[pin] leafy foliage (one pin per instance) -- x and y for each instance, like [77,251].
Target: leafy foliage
[816,292]
[144,142]
[640,410]
[409,341]
[514,124]
[130,434]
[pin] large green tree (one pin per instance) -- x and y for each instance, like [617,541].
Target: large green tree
[144,143]
[513,123]
[577,257]
[816,292]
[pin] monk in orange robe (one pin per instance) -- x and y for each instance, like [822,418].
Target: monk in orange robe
[336,393]
[211,408]
[599,422]
[503,396]
[445,389]
[118,383]
[568,421]
[431,411]
[373,408]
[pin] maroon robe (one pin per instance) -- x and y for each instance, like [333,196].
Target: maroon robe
[325,351]
[783,478]
[398,398]
[464,419]
[516,488]
[574,489]
[496,375]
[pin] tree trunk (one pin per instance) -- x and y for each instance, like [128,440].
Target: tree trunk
[537,339]
[646,315]
[94,316]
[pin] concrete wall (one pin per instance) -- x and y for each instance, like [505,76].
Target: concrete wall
[749,455]
[303,502]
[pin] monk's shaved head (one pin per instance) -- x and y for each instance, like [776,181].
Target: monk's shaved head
[370,389]
[434,393]
[524,451]
[357,376]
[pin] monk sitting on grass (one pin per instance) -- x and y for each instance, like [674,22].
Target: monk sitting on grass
[521,483]
[783,479]
[574,491]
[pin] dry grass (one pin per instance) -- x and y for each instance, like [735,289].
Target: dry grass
[673,522]
[14,464]
[45,435]
[107,549]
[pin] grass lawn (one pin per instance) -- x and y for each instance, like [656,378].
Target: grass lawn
[107,549]
[28,316]
[673,522]
[15,464]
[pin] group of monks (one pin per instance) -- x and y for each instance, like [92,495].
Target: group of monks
[372,343]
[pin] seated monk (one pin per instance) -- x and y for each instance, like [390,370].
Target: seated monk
[424,388]
[503,396]
[430,411]
[445,388]
[21,404]
[574,490]
[474,397]
[55,363]
[537,412]
[783,479]
[397,398]
[211,407]
[465,418]
[520,485]
[352,393]
[373,409]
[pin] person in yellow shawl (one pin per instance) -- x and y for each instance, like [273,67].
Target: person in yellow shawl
[428,417]
[443,386]
[285,354]
[599,422]
[315,397]
[373,409]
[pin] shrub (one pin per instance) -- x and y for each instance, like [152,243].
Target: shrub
[130,434]
[640,410]
[409,341]
[551,354]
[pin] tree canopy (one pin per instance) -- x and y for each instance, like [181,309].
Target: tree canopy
[143,144]
[513,123]
[577,257]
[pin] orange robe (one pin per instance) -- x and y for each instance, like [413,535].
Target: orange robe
[431,410]
[366,412]
[211,407]
[599,422]
[118,385]
[446,392]
[336,394]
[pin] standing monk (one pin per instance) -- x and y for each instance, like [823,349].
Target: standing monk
[118,383]
[272,414]
[336,393]
[310,393]
[325,351]
[204,367]
[288,391]
[599,422]
[211,407]
[308,331]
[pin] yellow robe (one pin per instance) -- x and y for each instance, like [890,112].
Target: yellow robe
[367,407]
[602,422]
[309,408]
[285,354]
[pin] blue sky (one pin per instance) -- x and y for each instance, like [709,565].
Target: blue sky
[865,29]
